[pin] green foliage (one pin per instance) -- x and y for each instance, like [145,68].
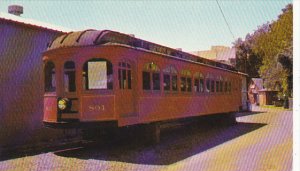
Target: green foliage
[269,50]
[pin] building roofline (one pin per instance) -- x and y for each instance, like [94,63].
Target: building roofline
[31,22]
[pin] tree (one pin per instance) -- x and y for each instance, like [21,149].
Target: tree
[276,48]
[268,52]
[248,60]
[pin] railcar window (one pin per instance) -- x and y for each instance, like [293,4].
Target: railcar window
[167,81]
[170,76]
[225,86]
[189,84]
[186,81]
[50,80]
[146,81]
[124,75]
[201,85]
[183,83]
[196,85]
[69,77]
[129,79]
[221,86]
[151,72]
[207,85]
[212,86]
[217,86]
[156,81]
[198,82]
[97,74]
[174,83]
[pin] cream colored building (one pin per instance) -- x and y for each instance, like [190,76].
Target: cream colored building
[219,53]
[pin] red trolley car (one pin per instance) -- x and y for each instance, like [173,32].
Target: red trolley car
[106,77]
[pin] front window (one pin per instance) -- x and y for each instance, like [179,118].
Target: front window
[50,80]
[97,74]
[69,77]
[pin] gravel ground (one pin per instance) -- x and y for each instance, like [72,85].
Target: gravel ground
[261,140]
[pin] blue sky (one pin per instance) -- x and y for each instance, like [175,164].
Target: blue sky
[191,25]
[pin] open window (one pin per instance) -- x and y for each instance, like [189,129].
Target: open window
[151,77]
[97,74]
[170,79]
[50,81]
[69,77]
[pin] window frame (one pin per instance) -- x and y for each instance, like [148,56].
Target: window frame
[151,68]
[84,81]
[230,87]
[51,74]
[69,70]
[212,85]
[199,78]
[220,81]
[172,73]
[186,74]
[125,65]
[208,79]
[225,86]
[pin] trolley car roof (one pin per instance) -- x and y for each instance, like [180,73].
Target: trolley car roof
[101,37]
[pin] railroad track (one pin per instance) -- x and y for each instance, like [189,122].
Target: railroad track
[43,147]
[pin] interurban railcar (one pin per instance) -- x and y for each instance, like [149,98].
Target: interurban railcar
[105,77]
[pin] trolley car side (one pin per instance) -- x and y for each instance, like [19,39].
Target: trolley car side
[109,78]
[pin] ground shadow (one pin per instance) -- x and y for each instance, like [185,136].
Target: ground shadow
[176,144]
[15,151]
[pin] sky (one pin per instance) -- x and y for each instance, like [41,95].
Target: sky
[190,25]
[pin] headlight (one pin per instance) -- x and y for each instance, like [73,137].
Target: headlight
[62,104]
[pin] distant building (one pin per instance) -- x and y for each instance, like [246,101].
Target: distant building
[21,77]
[219,53]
